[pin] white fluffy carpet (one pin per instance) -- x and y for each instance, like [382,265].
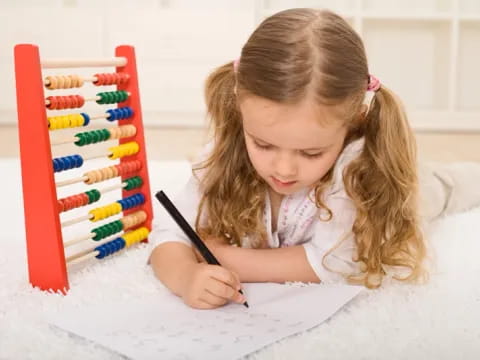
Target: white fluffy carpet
[440,320]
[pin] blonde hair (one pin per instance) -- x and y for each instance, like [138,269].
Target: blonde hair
[294,55]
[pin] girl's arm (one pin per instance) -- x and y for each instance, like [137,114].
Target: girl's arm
[170,262]
[266,265]
[200,285]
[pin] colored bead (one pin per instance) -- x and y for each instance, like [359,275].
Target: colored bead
[86,119]
[128,167]
[63,82]
[119,113]
[112,97]
[132,201]
[65,102]
[93,195]
[72,202]
[135,236]
[110,247]
[133,182]
[126,149]
[105,211]
[106,230]
[66,121]
[67,162]
[111,79]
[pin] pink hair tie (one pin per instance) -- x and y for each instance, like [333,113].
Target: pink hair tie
[373,83]
[235,64]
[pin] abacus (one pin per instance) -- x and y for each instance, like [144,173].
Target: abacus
[47,262]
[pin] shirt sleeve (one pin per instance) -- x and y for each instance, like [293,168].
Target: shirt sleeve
[164,228]
[332,246]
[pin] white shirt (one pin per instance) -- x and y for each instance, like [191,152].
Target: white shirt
[298,222]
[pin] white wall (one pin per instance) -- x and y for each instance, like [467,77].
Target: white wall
[427,51]
[177,44]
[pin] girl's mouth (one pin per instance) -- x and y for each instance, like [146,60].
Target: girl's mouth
[282,183]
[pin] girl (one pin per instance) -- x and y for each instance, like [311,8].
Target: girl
[311,175]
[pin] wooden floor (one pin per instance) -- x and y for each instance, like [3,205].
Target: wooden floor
[176,144]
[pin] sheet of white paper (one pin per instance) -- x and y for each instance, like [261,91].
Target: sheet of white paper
[166,328]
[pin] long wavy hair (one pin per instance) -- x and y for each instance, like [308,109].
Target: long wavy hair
[315,54]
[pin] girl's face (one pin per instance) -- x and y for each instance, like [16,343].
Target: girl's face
[287,145]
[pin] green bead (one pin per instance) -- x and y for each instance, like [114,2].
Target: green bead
[133,182]
[86,138]
[102,98]
[103,231]
[109,229]
[98,234]
[106,134]
[93,137]
[96,136]
[81,140]
[112,97]
[93,195]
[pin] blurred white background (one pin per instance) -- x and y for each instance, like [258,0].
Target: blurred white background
[427,51]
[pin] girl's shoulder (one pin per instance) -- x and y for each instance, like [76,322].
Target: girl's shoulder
[349,153]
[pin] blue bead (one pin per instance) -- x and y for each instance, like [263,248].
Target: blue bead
[59,163]
[118,245]
[100,255]
[56,166]
[86,119]
[72,162]
[79,160]
[63,165]
[130,203]
[139,199]
[109,248]
[67,161]
[113,115]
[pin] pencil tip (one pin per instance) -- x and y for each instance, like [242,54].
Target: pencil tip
[246,304]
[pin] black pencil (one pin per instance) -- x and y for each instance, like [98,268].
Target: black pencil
[187,229]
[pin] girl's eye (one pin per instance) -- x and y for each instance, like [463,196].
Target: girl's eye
[311,156]
[261,146]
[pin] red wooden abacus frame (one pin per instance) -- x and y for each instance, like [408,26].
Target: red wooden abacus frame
[45,251]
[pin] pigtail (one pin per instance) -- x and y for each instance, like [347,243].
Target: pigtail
[221,101]
[383,184]
[232,193]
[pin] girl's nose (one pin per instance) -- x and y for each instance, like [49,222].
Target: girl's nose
[285,166]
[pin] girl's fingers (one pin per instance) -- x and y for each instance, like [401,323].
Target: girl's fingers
[225,276]
[220,289]
[203,305]
[237,279]
[212,299]
[223,291]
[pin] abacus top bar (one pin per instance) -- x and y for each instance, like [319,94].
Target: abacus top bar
[92,62]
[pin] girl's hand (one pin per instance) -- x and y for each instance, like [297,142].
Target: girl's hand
[210,286]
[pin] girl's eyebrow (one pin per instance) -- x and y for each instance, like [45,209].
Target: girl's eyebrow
[307,149]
